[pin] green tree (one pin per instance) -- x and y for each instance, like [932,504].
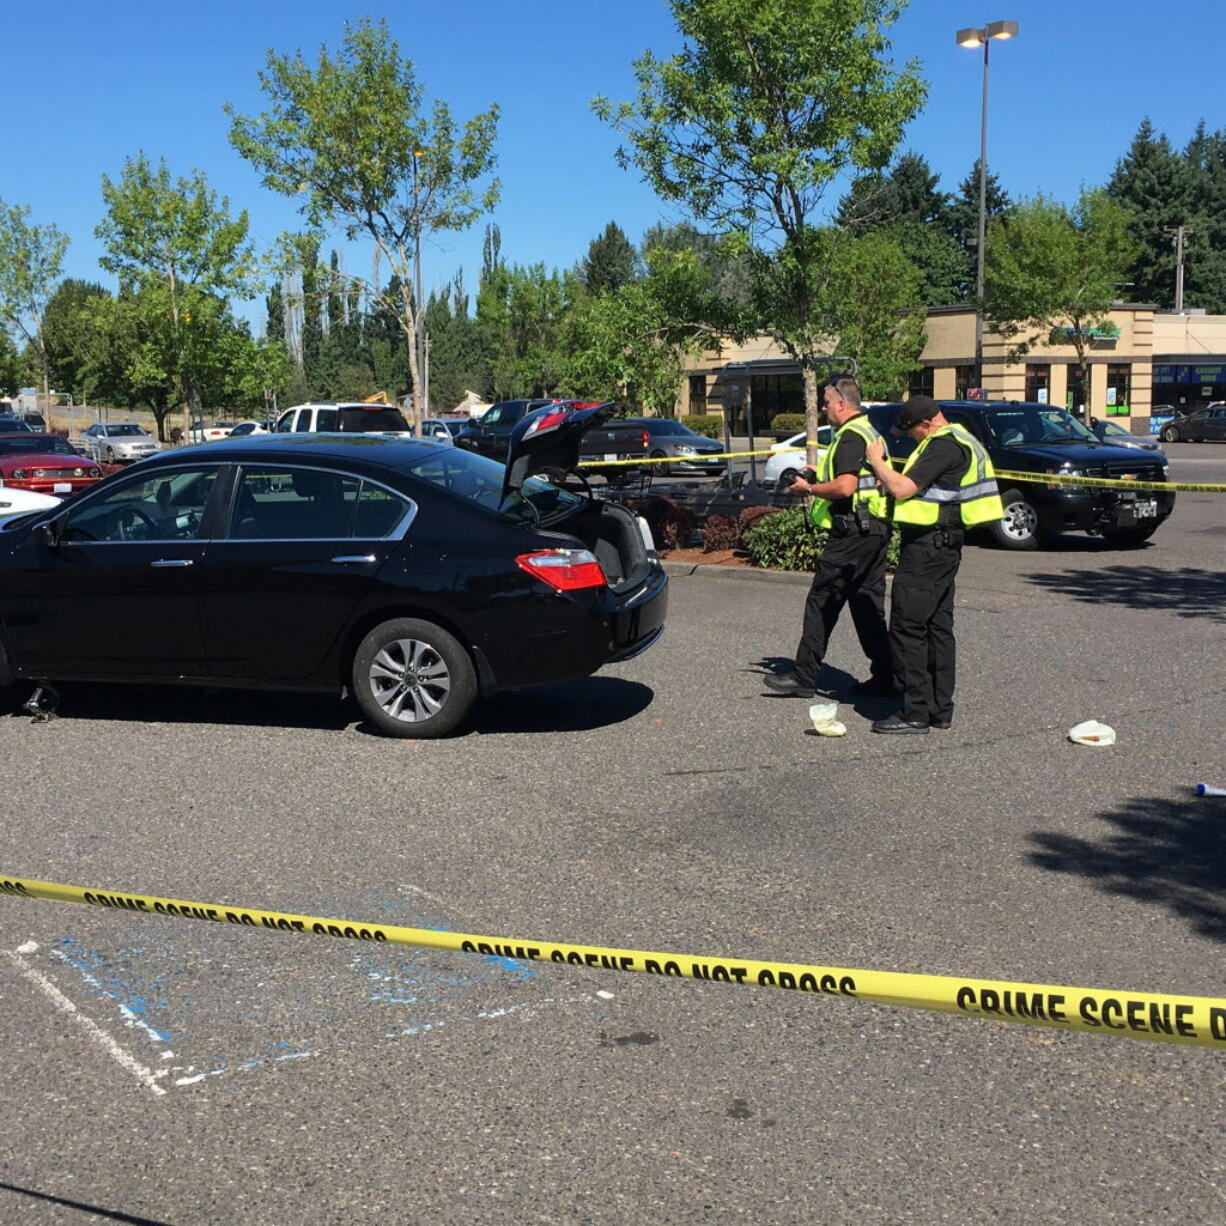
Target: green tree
[633,344]
[906,202]
[1049,266]
[455,346]
[728,265]
[70,334]
[610,262]
[31,260]
[521,313]
[1205,272]
[175,236]
[274,305]
[767,104]
[962,220]
[10,365]
[349,138]
[1156,185]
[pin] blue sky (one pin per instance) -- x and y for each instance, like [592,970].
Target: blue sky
[90,84]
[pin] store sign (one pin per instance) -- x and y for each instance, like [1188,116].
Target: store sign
[1190,374]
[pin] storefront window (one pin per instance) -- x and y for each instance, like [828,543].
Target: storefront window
[964,380]
[1038,384]
[1118,390]
[698,394]
[920,382]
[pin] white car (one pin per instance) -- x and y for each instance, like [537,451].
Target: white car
[23,502]
[201,433]
[784,466]
[117,442]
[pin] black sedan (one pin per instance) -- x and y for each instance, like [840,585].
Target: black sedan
[1201,426]
[419,575]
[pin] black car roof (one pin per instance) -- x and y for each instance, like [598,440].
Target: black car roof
[377,449]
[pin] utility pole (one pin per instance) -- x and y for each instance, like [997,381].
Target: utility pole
[1177,236]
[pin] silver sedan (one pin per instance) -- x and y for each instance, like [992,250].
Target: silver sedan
[118,442]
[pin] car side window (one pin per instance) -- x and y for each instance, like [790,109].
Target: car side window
[293,504]
[303,424]
[495,416]
[168,506]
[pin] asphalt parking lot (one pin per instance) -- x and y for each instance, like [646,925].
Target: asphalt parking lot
[164,1071]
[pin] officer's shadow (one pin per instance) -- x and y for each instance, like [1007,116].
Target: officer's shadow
[830,680]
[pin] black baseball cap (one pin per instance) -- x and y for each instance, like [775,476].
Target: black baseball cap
[915,410]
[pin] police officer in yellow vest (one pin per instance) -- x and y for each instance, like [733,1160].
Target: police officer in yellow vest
[848,502]
[947,486]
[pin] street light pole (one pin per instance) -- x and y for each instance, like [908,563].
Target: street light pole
[419,411]
[973,37]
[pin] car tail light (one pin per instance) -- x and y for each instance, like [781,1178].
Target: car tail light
[646,439]
[565,570]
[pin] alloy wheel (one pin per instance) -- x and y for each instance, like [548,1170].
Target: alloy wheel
[410,680]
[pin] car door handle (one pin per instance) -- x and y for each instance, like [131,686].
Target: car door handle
[172,562]
[347,559]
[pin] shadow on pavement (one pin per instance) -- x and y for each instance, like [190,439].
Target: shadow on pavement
[575,706]
[1190,592]
[830,680]
[108,1214]
[1170,852]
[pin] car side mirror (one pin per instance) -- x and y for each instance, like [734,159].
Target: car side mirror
[47,534]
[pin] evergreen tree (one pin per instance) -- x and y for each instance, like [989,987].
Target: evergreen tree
[312,313]
[337,315]
[1205,260]
[274,304]
[1157,187]
[962,219]
[610,263]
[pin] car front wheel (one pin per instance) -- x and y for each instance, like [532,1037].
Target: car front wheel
[1170,435]
[1019,529]
[413,679]
[663,469]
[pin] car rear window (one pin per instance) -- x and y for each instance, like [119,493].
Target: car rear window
[367,421]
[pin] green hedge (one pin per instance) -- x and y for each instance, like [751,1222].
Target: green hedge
[788,423]
[709,424]
[789,541]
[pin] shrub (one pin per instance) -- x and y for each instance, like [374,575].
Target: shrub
[789,541]
[708,424]
[750,517]
[671,525]
[719,532]
[788,423]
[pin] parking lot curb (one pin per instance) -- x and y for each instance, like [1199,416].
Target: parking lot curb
[752,573]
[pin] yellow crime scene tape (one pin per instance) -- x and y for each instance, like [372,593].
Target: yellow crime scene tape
[1113,483]
[1198,1020]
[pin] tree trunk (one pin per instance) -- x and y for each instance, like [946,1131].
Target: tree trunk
[812,412]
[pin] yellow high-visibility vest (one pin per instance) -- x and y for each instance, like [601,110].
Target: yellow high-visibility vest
[977,497]
[868,493]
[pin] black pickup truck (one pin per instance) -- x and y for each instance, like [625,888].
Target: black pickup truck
[1039,438]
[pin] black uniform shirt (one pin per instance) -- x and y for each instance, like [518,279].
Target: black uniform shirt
[848,458]
[943,465]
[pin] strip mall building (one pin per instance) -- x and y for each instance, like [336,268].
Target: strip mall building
[1141,368]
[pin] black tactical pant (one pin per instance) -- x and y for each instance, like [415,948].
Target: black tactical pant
[922,624]
[851,571]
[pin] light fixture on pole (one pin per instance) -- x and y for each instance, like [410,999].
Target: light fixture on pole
[974,37]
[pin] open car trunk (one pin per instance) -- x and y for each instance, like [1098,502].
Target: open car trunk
[620,540]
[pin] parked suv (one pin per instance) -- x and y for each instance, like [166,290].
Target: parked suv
[1038,438]
[351,418]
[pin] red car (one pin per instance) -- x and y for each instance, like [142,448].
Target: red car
[44,464]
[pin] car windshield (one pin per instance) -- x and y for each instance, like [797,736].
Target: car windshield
[477,479]
[35,444]
[1109,427]
[124,429]
[1022,426]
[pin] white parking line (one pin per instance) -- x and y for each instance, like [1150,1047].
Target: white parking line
[145,1076]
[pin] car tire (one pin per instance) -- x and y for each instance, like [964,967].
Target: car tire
[665,470]
[1129,536]
[1019,529]
[441,681]
[1170,435]
[785,479]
